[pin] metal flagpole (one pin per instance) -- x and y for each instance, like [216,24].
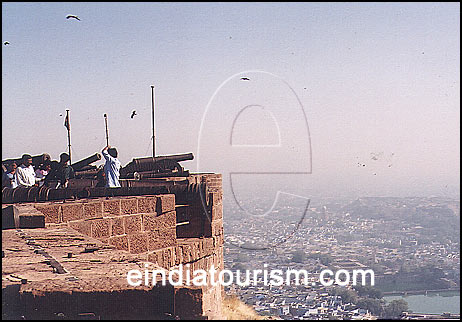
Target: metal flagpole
[68,126]
[107,135]
[153,133]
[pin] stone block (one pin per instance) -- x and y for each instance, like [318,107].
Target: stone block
[120,242]
[217,212]
[132,224]
[137,243]
[117,226]
[165,203]
[178,255]
[104,240]
[214,182]
[153,257]
[112,206]
[161,238]
[52,212]
[217,227]
[100,228]
[73,211]
[168,257]
[218,240]
[92,210]
[208,246]
[195,250]
[10,217]
[185,253]
[216,198]
[129,206]
[32,221]
[218,258]
[83,227]
[147,204]
[151,222]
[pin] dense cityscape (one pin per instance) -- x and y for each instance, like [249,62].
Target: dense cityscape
[411,244]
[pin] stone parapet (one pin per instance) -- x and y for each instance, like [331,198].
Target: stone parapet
[164,230]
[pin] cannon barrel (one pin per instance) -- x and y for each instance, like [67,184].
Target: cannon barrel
[155,174]
[36,159]
[84,162]
[86,173]
[148,164]
[175,157]
[86,168]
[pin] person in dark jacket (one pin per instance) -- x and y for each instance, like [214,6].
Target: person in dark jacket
[61,171]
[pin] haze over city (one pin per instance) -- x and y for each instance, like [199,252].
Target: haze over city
[377,83]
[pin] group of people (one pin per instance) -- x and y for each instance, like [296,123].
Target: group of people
[25,175]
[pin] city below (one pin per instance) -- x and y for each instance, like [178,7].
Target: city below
[411,244]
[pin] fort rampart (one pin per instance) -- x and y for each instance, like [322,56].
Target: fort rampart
[69,258]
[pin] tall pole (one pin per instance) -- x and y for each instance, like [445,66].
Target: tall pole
[107,135]
[153,133]
[68,134]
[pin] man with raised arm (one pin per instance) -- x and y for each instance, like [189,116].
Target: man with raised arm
[111,167]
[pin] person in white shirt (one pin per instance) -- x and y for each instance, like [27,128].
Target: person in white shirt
[25,173]
[111,167]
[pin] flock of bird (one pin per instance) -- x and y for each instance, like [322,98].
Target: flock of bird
[77,18]
[133,112]
[376,157]
[6,43]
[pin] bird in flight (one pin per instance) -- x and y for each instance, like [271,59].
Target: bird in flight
[6,43]
[133,114]
[72,16]
[244,78]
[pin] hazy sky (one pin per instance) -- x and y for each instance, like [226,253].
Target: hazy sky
[377,83]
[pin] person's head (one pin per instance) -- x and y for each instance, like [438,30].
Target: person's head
[54,165]
[12,167]
[46,158]
[112,152]
[64,158]
[45,165]
[26,159]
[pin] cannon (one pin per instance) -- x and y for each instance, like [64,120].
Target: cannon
[83,164]
[156,166]
[155,174]
[87,168]
[90,173]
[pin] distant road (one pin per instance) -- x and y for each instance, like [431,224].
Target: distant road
[417,292]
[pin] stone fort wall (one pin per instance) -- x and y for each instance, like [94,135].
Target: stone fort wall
[164,230]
